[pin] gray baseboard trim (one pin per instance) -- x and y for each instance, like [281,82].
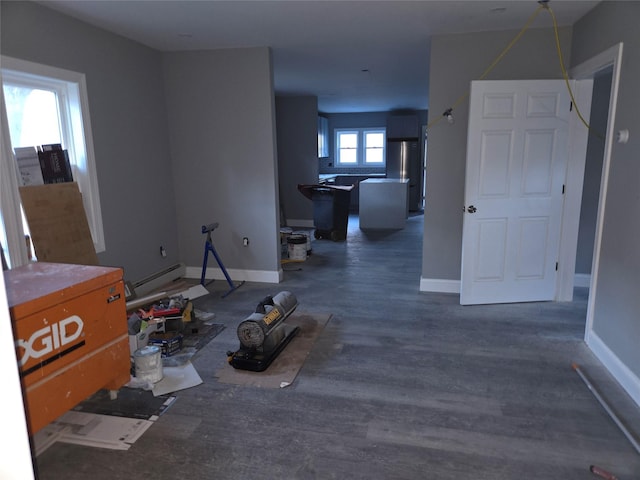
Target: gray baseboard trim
[439,285]
[623,375]
[214,273]
[582,280]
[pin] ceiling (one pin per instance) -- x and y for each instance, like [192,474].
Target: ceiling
[355,56]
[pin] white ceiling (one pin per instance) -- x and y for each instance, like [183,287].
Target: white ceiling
[355,56]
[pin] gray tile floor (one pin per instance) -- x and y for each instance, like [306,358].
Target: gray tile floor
[402,384]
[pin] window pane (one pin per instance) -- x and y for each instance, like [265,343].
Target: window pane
[374,144]
[33,116]
[348,156]
[374,140]
[374,155]
[348,140]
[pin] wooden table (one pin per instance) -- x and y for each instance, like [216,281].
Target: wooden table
[70,330]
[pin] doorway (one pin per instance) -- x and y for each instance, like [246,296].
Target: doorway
[601,65]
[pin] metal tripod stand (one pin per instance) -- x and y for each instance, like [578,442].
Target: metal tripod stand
[208,247]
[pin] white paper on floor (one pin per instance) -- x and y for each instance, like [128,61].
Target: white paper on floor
[177,378]
[90,429]
[47,436]
[194,292]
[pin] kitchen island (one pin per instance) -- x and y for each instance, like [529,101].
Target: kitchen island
[384,203]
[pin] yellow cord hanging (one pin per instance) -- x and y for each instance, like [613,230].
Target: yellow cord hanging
[495,62]
[565,76]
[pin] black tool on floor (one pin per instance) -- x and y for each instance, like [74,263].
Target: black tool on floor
[264,334]
[208,247]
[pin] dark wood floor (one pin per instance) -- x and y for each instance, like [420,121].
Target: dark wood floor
[402,384]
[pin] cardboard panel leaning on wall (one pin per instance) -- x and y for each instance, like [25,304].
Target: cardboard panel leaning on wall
[456,60]
[58,223]
[223,145]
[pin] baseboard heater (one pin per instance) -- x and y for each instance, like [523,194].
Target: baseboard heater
[158,279]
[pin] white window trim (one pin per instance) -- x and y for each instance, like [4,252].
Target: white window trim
[82,150]
[15,245]
[360,153]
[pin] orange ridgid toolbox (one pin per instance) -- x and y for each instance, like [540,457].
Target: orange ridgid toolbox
[70,332]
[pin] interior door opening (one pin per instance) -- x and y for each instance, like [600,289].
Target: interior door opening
[598,69]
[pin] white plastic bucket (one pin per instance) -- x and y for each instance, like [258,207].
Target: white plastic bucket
[297,245]
[148,364]
[308,238]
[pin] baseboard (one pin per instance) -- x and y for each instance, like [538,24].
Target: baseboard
[158,279]
[214,273]
[623,375]
[293,223]
[439,285]
[582,280]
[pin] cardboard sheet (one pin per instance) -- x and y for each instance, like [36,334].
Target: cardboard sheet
[58,223]
[284,369]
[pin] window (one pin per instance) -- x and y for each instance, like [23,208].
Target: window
[45,105]
[361,147]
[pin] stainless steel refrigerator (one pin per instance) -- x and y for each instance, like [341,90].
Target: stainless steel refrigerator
[403,162]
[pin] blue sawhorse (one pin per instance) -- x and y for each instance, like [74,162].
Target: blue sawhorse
[208,247]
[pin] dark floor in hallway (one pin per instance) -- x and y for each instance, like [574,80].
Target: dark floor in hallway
[401,384]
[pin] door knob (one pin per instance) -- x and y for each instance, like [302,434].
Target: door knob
[471,209]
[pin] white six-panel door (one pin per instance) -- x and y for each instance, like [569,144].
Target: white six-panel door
[516,163]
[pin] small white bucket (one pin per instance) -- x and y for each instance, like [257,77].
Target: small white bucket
[297,247]
[307,236]
[148,364]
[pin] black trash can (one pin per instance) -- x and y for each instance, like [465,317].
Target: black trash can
[330,209]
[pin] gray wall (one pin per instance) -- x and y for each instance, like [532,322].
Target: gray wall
[617,303]
[297,134]
[456,60]
[180,140]
[223,146]
[129,122]
[593,172]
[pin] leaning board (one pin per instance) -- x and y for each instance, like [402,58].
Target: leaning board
[58,223]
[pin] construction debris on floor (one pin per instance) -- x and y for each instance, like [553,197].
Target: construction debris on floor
[90,429]
[157,333]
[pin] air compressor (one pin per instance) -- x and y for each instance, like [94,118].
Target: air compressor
[264,334]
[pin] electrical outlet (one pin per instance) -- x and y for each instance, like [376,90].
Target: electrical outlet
[245,241]
[163,252]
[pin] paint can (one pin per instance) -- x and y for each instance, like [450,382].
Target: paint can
[297,247]
[307,236]
[148,364]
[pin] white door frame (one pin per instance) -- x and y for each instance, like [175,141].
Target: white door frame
[611,57]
